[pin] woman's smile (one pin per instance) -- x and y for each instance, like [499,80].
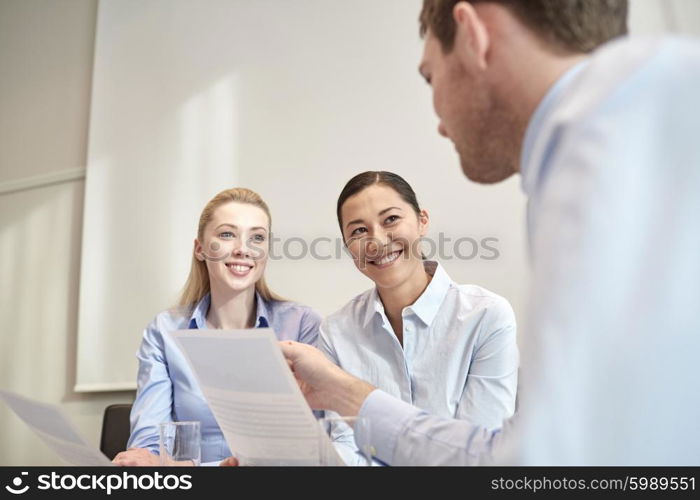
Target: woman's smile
[387,260]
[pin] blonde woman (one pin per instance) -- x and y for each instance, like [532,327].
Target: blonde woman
[226,289]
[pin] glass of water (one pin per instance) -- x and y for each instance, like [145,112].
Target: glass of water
[180,443]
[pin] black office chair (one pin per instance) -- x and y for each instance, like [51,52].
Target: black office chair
[115,429]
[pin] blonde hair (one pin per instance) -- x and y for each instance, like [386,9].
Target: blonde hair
[197,285]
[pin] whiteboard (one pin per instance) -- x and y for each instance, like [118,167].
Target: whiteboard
[289,98]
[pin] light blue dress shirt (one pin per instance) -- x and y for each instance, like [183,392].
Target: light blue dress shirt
[611,166]
[459,357]
[167,389]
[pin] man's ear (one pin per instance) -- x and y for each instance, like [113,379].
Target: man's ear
[471,37]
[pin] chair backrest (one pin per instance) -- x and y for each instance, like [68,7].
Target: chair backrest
[115,429]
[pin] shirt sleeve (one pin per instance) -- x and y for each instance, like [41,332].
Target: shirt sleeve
[153,403]
[402,434]
[325,344]
[309,326]
[490,389]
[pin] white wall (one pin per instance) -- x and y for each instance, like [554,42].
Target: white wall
[45,62]
[305,95]
[46,52]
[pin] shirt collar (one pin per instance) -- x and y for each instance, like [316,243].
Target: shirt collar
[263,312]
[198,319]
[427,305]
[374,306]
[528,169]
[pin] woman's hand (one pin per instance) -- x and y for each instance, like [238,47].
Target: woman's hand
[136,457]
[229,462]
[141,457]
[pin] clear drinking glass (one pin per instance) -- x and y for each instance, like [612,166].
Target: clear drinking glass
[180,443]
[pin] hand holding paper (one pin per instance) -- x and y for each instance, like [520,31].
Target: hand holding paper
[253,396]
[324,385]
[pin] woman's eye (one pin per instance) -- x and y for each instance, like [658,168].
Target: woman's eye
[226,235]
[391,219]
[258,238]
[358,231]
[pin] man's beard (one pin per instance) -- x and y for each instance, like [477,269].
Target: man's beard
[490,136]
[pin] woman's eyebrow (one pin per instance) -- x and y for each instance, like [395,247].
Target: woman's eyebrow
[256,228]
[387,209]
[356,221]
[360,221]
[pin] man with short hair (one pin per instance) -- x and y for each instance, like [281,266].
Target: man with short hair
[607,144]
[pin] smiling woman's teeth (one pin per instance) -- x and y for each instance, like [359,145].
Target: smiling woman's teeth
[238,268]
[387,258]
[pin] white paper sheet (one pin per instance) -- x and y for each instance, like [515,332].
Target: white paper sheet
[254,397]
[54,427]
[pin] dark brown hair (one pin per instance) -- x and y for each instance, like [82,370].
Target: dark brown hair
[573,26]
[366,179]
